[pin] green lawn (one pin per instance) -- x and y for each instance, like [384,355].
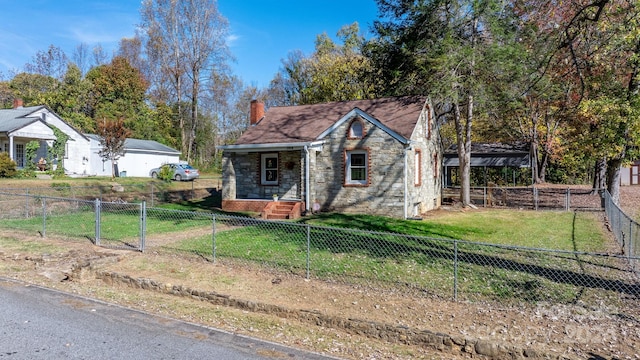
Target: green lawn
[417,254]
[423,257]
[560,230]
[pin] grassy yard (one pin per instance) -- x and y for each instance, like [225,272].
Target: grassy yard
[363,249]
[424,256]
[560,230]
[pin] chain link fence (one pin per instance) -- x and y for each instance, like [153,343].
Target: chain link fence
[432,266]
[625,230]
[532,198]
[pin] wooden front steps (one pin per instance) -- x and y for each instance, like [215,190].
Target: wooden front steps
[282,210]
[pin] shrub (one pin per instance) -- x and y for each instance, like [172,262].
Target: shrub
[59,173]
[166,173]
[25,174]
[7,166]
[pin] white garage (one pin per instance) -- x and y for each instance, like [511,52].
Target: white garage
[139,157]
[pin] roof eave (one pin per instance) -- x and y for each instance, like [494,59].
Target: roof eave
[165,152]
[269,147]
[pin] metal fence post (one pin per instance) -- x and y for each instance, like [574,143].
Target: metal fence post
[455,270]
[26,205]
[567,200]
[44,217]
[213,238]
[308,251]
[97,219]
[143,224]
[484,196]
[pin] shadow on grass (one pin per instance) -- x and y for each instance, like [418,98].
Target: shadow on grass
[376,242]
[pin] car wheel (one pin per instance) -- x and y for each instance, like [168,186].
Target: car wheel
[178,177]
[154,175]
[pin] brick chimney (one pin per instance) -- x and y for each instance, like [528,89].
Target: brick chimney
[257,112]
[17,103]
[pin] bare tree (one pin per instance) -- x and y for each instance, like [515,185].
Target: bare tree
[80,57]
[187,39]
[131,49]
[100,57]
[52,62]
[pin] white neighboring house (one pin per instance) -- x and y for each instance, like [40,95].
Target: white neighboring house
[20,125]
[139,157]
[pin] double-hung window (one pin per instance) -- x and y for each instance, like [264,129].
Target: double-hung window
[269,166]
[357,167]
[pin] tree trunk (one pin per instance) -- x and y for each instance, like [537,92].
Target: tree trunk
[613,179]
[195,89]
[600,175]
[113,168]
[463,138]
[533,151]
[535,146]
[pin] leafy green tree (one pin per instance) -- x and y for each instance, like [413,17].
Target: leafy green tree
[118,90]
[447,50]
[596,49]
[71,100]
[33,88]
[6,95]
[332,73]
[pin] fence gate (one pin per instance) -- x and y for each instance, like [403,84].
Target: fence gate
[120,225]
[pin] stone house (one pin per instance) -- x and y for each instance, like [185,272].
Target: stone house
[380,156]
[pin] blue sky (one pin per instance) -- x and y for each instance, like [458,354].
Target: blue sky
[262,32]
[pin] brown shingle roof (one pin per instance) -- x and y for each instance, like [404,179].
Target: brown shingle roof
[304,123]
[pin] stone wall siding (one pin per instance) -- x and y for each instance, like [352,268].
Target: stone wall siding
[384,195]
[241,176]
[427,195]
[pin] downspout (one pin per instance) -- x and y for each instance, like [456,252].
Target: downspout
[307,181]
[406,186]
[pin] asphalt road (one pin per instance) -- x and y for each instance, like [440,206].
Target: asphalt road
[39,323]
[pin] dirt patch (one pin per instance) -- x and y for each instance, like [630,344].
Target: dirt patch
[609,331]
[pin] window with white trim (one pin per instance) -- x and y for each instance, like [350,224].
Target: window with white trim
[269,169]
[357,167]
